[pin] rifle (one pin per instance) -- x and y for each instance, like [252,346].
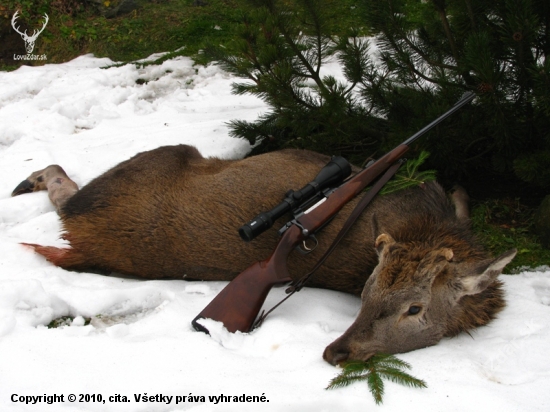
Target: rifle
[239,303]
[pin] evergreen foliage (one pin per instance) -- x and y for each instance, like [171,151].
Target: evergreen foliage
[409,175]
[373,371]
[498,48]
[428,54]
[281,47]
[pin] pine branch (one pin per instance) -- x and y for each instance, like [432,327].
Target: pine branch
[383,360]
[398,376]
[410,176]
[374,370]
[376,385]
[343,380]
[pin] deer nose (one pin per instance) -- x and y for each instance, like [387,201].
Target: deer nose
[334,357]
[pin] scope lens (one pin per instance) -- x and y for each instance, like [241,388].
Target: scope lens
[256,226]
[246,233]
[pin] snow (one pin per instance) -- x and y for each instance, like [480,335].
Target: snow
[140,341]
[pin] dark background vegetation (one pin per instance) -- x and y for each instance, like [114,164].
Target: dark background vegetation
[432,52]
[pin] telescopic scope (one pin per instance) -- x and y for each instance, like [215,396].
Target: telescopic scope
[330,175]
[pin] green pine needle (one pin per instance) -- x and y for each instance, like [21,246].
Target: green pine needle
[379,367]
[376,386]
[409,175]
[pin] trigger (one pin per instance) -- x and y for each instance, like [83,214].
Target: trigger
[308,248]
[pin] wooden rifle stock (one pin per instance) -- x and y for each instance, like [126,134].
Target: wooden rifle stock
[239,303]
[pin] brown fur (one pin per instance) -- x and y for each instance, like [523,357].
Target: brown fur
[171,213]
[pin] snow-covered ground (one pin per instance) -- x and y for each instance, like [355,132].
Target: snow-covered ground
[140,342]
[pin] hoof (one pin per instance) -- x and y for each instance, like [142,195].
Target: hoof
[53,179]
[37,180]
[26,186]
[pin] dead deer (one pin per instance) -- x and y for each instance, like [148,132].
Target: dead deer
[170,213]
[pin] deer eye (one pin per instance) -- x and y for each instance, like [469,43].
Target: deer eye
[414,310]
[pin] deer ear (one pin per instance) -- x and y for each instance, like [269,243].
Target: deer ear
[486,273]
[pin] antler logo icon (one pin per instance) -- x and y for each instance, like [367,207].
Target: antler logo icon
[29,40]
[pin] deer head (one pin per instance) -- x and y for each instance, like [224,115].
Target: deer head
[29,40]
[416,296]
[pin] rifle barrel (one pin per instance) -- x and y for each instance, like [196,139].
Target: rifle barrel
[464,100]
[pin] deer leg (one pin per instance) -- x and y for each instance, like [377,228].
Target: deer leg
[461,200]
[53,179]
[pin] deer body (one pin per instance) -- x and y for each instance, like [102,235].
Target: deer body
[171,213]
